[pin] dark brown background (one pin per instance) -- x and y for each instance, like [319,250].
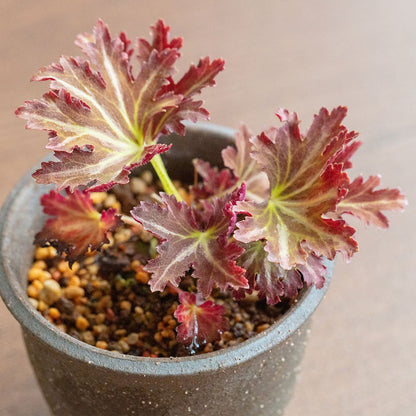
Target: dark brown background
[361,359]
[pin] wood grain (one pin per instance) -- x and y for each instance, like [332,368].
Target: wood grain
[300,55]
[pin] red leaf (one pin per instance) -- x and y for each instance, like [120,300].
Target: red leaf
[245,168]
[268,278]
[76,226]
[215,181]
[313,271]
[99,104]
[193,238]
[366,203]
[305,185]
[160,35]
[200,322]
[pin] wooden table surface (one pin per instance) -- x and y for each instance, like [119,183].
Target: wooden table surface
[361,358]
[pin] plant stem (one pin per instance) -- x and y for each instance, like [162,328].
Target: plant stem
[167,184]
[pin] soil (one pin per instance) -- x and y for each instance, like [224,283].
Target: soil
[105,301]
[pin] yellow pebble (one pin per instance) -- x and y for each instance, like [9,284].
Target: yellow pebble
[38,274]
[125,305]
[93,269]
[138,310]
[54,313]
[147,176]
[63,266]
[74,281]
[135,264]
[37,284]
[42,253]
[116,206]
[142,276]
[33,291]
[98,197]
[82,323]
[101,344]
[52,252]
[110,200]
[72,292]
[40,264]
[262,327]
[167,333]
[42,306]
[50,292]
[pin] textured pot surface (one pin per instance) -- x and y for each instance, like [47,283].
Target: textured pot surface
[256,377]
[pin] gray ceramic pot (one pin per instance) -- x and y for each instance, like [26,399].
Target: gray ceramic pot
[254,378]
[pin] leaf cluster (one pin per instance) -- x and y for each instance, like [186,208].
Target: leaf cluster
[264,224]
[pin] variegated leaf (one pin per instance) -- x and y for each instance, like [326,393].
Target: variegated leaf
[304,186]
[193,238]
[200,322]
[97,104]
[367,204]
[76,226]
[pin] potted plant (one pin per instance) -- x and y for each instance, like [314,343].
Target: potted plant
[224,258]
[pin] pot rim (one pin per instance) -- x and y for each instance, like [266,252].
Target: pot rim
[17,302]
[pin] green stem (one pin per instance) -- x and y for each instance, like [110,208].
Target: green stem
[167,184]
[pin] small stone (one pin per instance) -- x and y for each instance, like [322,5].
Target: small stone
[98,197]
[125,305]
[100,318]
[125,347]
[88,337]
[262,327]
[100,329]
[42,253]
[50,292]
[172,323]
[122,235]
[142,276]
[138,310]
[73,292]
[65,306]
[167,333]
[54,313]
[110,200]
[101,344]
[40,264]
[63,266]
[104,303]
[249,326]
[33,292]
[42,306]
[38,274]
[74,281]
[82,323]
[132,338]
[138,185]
[147,176]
